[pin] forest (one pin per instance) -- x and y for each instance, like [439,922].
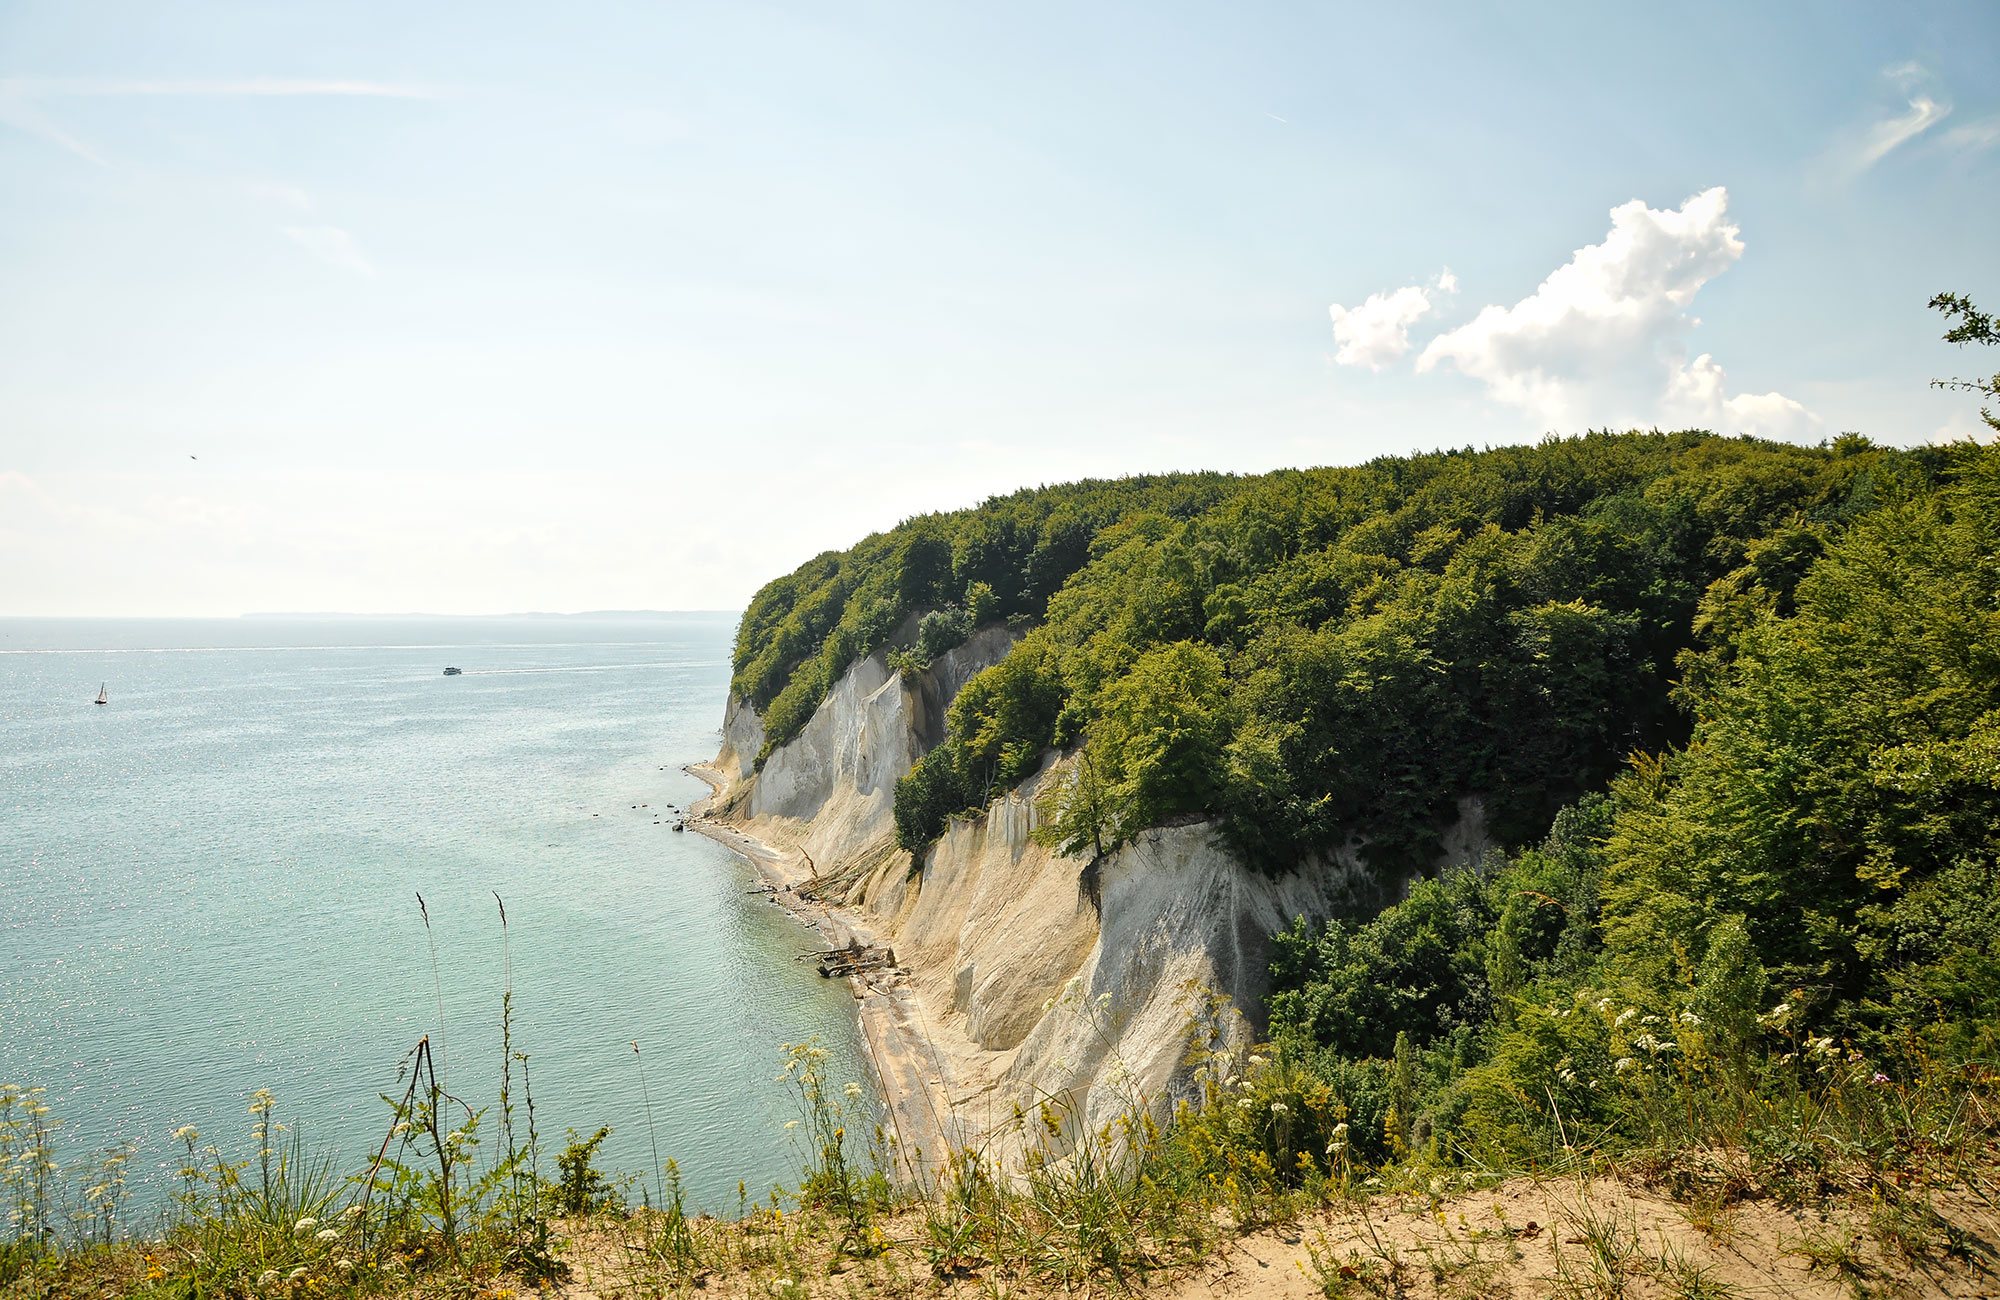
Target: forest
[1730,707]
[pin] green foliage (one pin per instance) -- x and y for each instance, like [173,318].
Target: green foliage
[1392,638]
[580,1188]
[1781,938]
[1969,325]
[1841,768]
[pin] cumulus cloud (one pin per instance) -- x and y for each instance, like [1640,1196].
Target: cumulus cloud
[1378,331]
[334,246]
[1698,395]
[1602,340]
[1610,316]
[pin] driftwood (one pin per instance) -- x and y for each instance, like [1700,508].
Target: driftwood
[855,960]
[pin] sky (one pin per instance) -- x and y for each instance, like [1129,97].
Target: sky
[477,308]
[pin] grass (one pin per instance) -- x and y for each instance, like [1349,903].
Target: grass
[1048,1205]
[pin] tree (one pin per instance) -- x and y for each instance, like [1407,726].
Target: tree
[1970,326]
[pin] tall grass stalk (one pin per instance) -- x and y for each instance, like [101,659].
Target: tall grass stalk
[652,1137]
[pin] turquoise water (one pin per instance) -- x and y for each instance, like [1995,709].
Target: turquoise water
[208,885]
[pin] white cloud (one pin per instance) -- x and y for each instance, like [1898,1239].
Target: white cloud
[1378,331]
[1883,137]
[1697,395]
[1923,109]
[1602,340]
[333,246]
[21,114]
[1974,136]
[20,95]
[1609,317]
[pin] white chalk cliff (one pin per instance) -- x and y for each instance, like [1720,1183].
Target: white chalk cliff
[1029,987]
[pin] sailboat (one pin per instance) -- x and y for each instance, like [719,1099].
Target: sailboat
[103,696]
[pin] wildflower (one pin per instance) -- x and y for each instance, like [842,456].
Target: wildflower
[1256,1059]
[853,1090]
[1245,1103]
[296,1274]
[400,1127]
[306,1224]
[328,1234]
[269,1277]
[1566,1075]
[791,1124]
[1279,1108]
[1604,1004]
[1879,1079]
[1776,1015]
[352,1212]
[1690,1018]
[1624,1016]
[1820,1046]
[343,1263]
[185,1133]
[1624,1064]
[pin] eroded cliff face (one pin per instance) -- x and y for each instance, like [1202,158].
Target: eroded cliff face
[1040,975]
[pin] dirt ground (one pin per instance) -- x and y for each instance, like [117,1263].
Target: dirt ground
[1523,1238]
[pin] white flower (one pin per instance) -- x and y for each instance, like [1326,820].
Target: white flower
[352,1212]
[791,1124]
[1256,1059]
[1244,1103]
[269,1277]
[306,1224]
[1623,1064]
[1279,1108]
[1624,1016]
[328,1234]
[185,1133]
[1690,1018]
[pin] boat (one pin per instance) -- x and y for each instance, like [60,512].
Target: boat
[103,696]
[453,672]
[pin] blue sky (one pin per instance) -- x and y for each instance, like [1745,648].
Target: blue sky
[471,308]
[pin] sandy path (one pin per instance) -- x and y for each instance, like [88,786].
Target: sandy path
[916,1080]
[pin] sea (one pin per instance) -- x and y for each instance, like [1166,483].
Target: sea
[211,885]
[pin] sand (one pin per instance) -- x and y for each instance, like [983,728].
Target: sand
[915,1077]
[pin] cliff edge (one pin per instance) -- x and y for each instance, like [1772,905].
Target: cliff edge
[1021,976]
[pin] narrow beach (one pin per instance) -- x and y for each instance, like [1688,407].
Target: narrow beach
[915,1079]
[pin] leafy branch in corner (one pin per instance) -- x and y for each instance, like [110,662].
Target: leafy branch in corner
[1970,325]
